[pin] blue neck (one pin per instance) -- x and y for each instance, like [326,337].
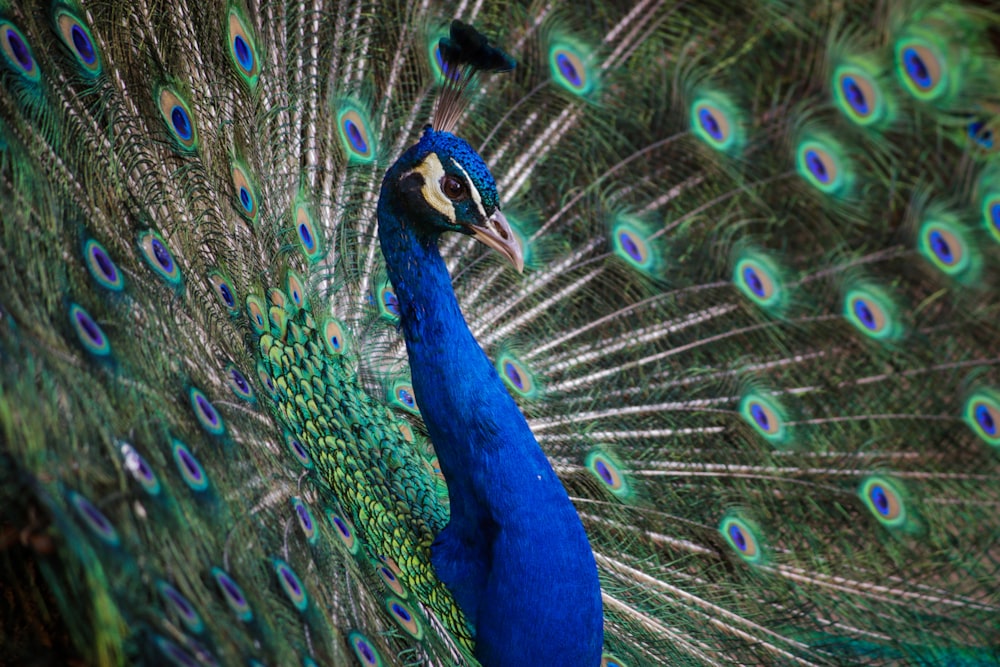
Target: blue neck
[514,553]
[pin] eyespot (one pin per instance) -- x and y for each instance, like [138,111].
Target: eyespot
[921,68]
[884,500]
[224,289]
[255,310]
[344,531]
[982,135]
[334,337]
[310,239]
[233,595]
[291,585]
[756,277]
[715,120]
[367,654]
[858,95]
[93,518]
[629,240]
[766,415]
[178,603]
[991,214]
[238,383]
[608,660]
[982,415]
[872,313]
[943,242]
[17,53]
[607,471]
[139,469]
[175,653]
[388,303]
[355,135]
[568,64]
[190,469]
[77,37]
[297,290]
[178,119]
[401,395]
[91,336]
[820,163]
[208,417]
[453,188]
[742,536]
[266,380]
[246,193]
[242,49]
[101,267]
[404,617]
[390,579]
[516,376]
[159,258]
[298,450]
[305,520]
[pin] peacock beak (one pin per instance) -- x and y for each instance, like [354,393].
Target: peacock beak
[497,234]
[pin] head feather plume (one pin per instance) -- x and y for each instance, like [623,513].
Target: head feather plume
[465,52]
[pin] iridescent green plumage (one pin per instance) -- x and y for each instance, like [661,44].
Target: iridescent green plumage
[756,334]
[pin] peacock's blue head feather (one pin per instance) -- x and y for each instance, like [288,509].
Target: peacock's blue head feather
[442,185]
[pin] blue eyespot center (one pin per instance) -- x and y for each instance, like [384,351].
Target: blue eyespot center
[20,49]
[227,295]
[192,466]
[817,167]
[916,69]
[511,371]
[104,263]
[401,612]
[879,499]
[736,533]
[243,54]
[709,124]
[83,45]
[245,200]
[406,398]
[604,472]
[941,248]
[981,134]
[985,419]
[854,95]
[355,137]
[753,282]
[306,236]
[231,589]
[162,255]
[568,70]
[304,518]
[759,416]
[90,328]
[864,314]
[365,650]
[629,246]
[181,122]
[391,302]
[341,526]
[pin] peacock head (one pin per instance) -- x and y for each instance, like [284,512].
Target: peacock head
[444,185]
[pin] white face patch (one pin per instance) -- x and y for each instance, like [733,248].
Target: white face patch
[433,171]
[475,192]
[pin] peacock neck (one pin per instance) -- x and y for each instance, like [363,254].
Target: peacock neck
[513,542]
[470,416]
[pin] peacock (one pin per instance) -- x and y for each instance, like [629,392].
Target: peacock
[501,332]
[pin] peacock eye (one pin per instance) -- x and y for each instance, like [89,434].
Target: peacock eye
[453,188]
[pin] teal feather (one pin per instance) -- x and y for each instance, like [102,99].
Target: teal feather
[756,334]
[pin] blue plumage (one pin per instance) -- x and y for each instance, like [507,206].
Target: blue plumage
[514,553]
